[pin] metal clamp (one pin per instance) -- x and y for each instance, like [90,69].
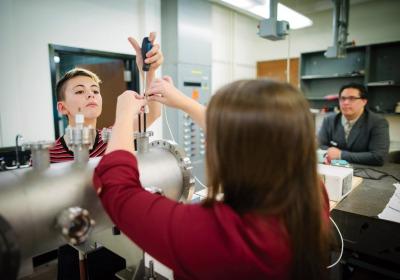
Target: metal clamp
[106,134]
[76,136]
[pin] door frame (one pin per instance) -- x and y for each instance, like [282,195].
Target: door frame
[56,49]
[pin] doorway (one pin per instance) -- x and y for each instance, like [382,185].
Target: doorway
[118,72]
[276,70]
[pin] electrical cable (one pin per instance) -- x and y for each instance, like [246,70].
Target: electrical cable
[201,184]
[341,247]
[144,122]
[164,111]
[140,122]
[366,175]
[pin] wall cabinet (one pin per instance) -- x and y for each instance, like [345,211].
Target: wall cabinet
[376,66]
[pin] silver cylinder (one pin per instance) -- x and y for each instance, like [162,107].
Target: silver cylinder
[142,141]
[80,139]
[32,202]
[40,159]
[40,154]
[81,154]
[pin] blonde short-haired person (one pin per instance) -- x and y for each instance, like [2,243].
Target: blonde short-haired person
[272,222]
[78,91]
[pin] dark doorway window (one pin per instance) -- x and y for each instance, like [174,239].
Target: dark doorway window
[118,72]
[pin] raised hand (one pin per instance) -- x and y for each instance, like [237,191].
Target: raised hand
[154,57]
[164,91]
[129,104]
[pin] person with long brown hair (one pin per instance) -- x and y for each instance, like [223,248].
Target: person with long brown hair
[272,220]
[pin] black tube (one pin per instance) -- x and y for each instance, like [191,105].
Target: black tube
[17,151]
[144,122]
[140,123]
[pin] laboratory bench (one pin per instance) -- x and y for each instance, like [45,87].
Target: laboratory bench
[372,244]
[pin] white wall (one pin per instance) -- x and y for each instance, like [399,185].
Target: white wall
[232,46]
[26,29]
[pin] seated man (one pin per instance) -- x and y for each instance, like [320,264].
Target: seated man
[355,134]
[78,91]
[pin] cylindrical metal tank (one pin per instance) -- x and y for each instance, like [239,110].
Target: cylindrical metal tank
[31,201]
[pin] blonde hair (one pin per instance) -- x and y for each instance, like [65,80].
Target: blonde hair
[60,88]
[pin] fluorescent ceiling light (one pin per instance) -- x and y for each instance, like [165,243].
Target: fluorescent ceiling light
[261,9]
[245,4]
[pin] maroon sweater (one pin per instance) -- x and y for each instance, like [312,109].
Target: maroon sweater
[194,241]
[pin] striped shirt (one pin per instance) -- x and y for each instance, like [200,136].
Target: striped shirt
[60,152]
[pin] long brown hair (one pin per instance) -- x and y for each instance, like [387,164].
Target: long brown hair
[261,153]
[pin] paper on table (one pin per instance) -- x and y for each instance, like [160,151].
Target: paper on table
[392,209]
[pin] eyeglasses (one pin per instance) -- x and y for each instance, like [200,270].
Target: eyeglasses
[350,98]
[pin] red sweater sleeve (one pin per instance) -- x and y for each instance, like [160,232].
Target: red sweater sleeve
[142,216]
[194,241]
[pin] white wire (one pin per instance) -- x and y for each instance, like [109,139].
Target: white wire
[172,136]
[201,184]
[167,122]
[342,245]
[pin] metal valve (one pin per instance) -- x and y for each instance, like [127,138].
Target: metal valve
[80,139]
[75,225]
[40,154]
[142,140]
[77,136]
[106,134]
